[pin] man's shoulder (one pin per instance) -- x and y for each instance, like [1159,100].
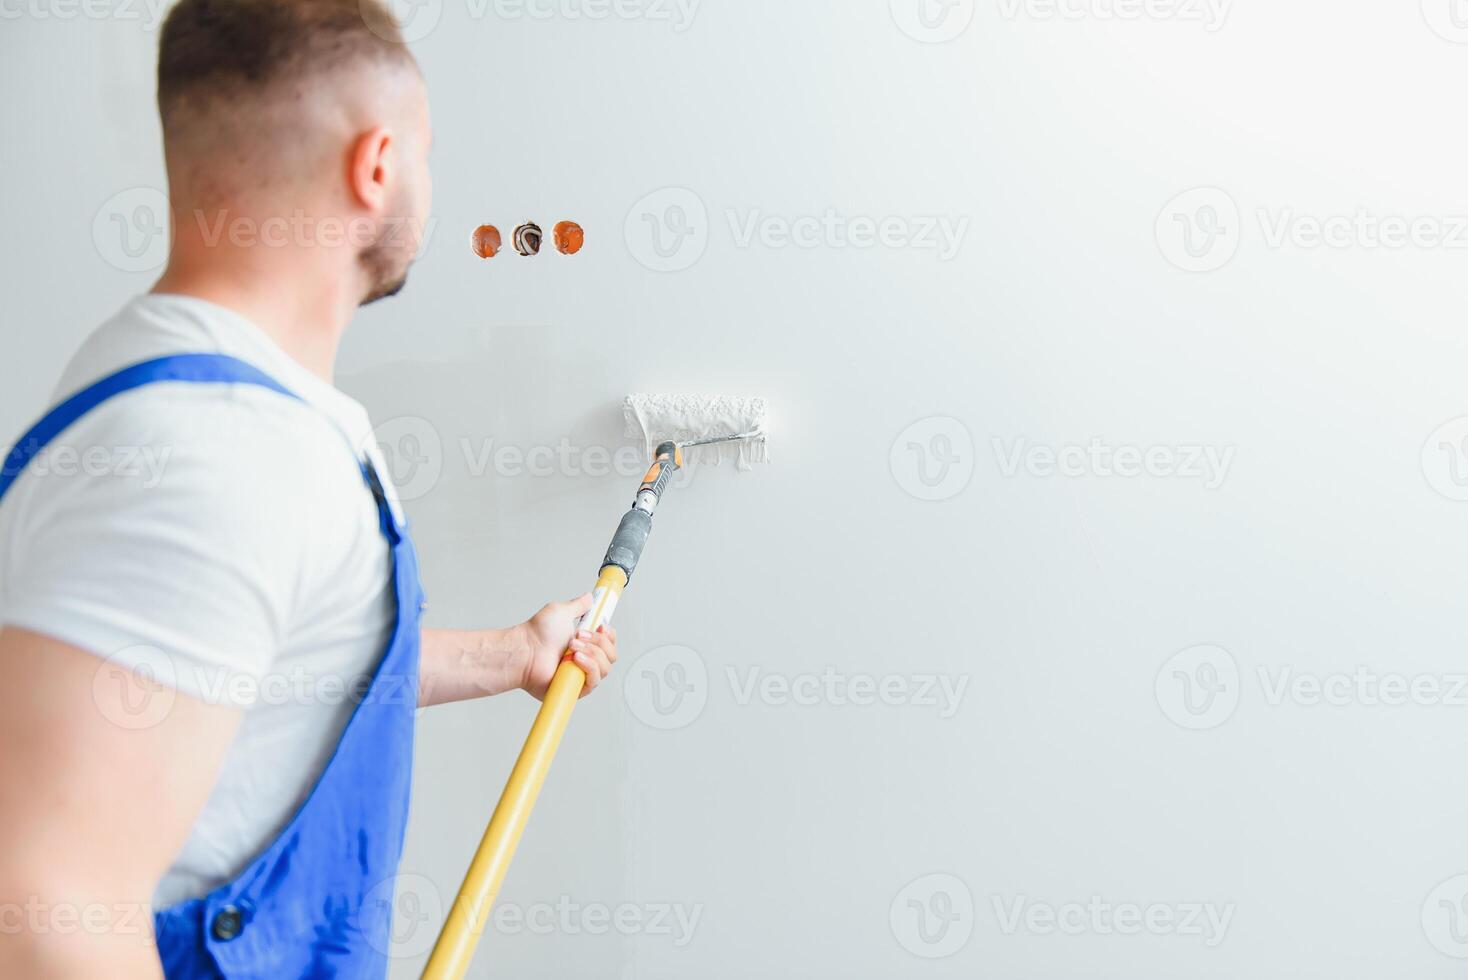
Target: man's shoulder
[204,419]
[135,333]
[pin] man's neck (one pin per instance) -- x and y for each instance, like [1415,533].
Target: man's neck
[304,311]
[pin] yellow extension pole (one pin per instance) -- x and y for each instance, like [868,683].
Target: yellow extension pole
[471,909]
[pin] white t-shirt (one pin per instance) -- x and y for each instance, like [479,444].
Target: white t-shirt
[221,538]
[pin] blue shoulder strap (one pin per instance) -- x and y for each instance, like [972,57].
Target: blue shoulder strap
[200,368]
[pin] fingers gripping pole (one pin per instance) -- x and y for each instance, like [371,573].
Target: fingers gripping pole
[471,909]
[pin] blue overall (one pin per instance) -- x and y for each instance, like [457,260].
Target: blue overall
[318,901]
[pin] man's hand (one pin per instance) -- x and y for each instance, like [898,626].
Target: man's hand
[455,665]
[546,637]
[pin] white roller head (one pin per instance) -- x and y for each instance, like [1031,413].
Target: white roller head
[658,418]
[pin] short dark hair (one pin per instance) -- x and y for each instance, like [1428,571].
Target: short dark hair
[230,49]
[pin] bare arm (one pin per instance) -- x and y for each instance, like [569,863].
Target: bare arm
[455,665]
[101,776]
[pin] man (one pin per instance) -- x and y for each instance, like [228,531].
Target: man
[211,681]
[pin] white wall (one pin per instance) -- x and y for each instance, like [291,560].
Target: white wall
[795,830]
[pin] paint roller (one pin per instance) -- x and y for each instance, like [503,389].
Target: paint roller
[676,428]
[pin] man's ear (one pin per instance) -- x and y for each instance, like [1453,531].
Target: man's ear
[370,168]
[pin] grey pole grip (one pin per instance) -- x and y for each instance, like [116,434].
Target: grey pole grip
[631,537]
[627,544]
